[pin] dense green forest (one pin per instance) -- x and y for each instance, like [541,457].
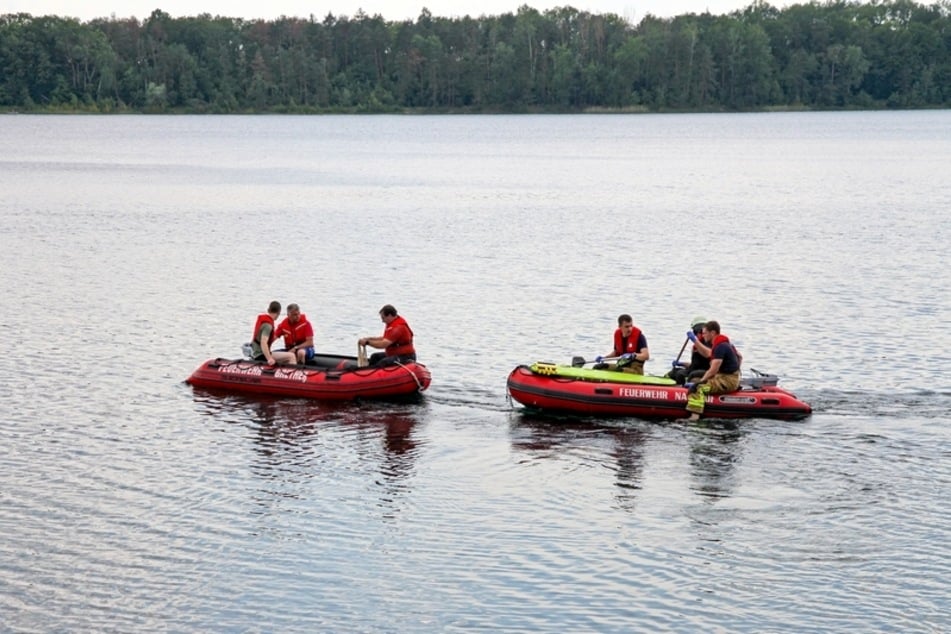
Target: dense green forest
[835,54]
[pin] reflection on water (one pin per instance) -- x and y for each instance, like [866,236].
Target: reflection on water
[629,454]
[714,452]
[715,449]
[297,441]
[546,436]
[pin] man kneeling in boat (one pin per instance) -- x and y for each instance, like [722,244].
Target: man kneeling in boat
[630,348]
[397,340]
[721,377]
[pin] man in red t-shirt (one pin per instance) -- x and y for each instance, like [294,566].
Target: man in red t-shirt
[298,334]
[397,340]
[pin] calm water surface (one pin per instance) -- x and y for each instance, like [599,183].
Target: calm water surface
[133,248]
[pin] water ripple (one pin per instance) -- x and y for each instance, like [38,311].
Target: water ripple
[133,502]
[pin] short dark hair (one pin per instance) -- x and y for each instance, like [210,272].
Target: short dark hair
[274,307]
[388,311]
[713,326]
[623,319]
[292,307]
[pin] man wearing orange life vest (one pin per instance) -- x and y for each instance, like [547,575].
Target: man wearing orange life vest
[630,348]
[721,377]
[298,335]
[396,342]
[264,335]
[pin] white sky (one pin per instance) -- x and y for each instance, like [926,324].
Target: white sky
[391,10]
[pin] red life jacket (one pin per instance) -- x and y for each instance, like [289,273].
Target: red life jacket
[295,333]
[717,340]
[263,318]
[632,340]
[401,345]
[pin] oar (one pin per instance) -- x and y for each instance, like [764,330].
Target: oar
[682,348]
[578,362]
[361,356]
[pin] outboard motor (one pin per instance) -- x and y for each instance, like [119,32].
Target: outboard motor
[759,380]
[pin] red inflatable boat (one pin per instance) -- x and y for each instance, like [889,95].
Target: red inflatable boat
[326,377]
[574,390]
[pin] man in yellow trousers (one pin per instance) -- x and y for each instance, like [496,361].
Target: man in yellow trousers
[722,376]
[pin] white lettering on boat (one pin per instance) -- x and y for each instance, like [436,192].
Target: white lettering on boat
[638,392]
[235,368]
[290,375]
[748,400]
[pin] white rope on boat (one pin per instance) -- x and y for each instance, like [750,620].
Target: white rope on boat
[412,374]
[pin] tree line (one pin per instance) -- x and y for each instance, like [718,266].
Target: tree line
[834,54]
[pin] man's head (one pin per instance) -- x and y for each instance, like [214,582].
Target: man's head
[710,330]
[387,314]
[626,324]
[274,308]
[696,324]
[293,313]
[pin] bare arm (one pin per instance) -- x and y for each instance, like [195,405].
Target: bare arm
[266,347]
[307,343]
[375,342]
[703,348]
[712,370]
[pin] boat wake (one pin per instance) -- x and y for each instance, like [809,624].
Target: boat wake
[914,403]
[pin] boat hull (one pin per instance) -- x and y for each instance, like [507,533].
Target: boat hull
[337,379]
[599,397]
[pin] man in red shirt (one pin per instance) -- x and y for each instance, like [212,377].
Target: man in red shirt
[397,340]
[298,334]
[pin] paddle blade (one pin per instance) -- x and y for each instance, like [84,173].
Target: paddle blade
[361,356]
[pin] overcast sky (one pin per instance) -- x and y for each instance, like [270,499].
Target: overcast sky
[391,10]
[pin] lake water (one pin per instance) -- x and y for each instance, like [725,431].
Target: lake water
[132,248]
